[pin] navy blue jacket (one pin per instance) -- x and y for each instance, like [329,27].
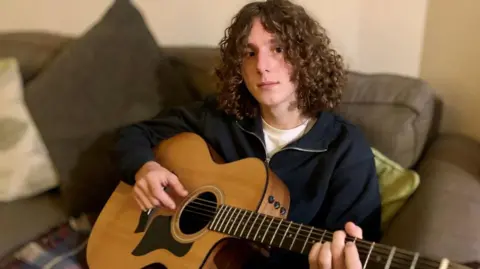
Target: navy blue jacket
[330,171]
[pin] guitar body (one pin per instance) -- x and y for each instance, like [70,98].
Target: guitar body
[126,237]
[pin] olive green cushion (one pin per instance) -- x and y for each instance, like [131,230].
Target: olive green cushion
[397,184]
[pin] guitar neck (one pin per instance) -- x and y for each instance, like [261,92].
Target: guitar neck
[280,233]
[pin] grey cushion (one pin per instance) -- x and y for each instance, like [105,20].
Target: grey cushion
[396,113]
[442,218]
[25,219]
[197,66]
[113,75]
[33,50]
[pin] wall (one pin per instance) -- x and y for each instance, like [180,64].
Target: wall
[450,62]
[373,35]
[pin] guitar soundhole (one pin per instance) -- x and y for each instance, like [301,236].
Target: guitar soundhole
[198,213]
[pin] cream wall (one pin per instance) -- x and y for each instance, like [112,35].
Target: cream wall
[373,35]
[451,62]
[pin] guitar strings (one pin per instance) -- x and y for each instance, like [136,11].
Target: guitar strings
[394,263]
[366,249]
[327,236]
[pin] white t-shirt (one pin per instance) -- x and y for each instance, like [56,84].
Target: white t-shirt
[276,139]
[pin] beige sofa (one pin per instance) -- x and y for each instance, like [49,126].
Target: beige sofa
[79,90]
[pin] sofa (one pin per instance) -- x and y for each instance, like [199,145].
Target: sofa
[80,89]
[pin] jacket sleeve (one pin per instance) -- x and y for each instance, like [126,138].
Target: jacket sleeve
[354,193]
[135,143]
[355,197]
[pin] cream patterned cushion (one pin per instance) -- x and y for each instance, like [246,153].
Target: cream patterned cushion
[25,166]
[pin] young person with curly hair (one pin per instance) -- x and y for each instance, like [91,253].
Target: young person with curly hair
[279,81]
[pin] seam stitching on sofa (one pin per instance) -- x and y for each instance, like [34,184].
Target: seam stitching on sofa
[382,104]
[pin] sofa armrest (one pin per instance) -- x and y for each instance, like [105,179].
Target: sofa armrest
[442,218]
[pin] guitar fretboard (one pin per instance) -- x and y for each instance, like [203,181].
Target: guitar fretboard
[280,233]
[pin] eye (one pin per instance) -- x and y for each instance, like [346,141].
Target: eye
[250,53]
[278,49]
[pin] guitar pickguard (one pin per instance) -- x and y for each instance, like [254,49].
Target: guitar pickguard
[159,236]
[142,222]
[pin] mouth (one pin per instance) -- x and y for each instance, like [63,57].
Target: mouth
[267,84]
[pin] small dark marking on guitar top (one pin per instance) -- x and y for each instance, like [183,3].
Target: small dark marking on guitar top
[142,222]
[159,236]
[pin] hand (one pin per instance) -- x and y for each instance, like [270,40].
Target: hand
[149,189]
[337,254]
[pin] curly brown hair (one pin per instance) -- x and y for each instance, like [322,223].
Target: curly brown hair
[318,70]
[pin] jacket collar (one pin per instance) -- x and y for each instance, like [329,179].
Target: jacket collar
[318,138]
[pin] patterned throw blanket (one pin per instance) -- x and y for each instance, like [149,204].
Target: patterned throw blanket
[61,247]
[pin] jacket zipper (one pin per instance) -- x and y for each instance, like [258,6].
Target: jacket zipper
[267,159]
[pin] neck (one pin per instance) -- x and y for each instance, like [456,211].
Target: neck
[282,118]
[285,234]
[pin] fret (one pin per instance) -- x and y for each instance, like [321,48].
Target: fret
[268,229]
[415,259]
[390,257]
[240,222]
[218,217]
[276,230]
[323,234]
[258,230]
[224,219]
[228,218]
[295,237]
[284,234]
[306,240]
[244,226]
[234,221]
[251,227]
[368,255]
[215,217]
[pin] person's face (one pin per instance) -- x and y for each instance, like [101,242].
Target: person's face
[264,69]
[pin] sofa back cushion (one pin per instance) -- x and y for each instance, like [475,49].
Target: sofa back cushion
[111,76]
[31,49]
[25,165]
[396,113]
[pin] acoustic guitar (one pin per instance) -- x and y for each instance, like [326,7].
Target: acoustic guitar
[233,210]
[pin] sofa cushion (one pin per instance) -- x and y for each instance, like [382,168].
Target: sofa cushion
[396,113]
[197,66]
[442,218]
[33,50]
[397,184]
[111,76]
[25,165]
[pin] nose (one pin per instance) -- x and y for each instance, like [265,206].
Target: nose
[264,62]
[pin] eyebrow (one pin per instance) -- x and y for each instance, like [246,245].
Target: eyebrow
[272,41]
